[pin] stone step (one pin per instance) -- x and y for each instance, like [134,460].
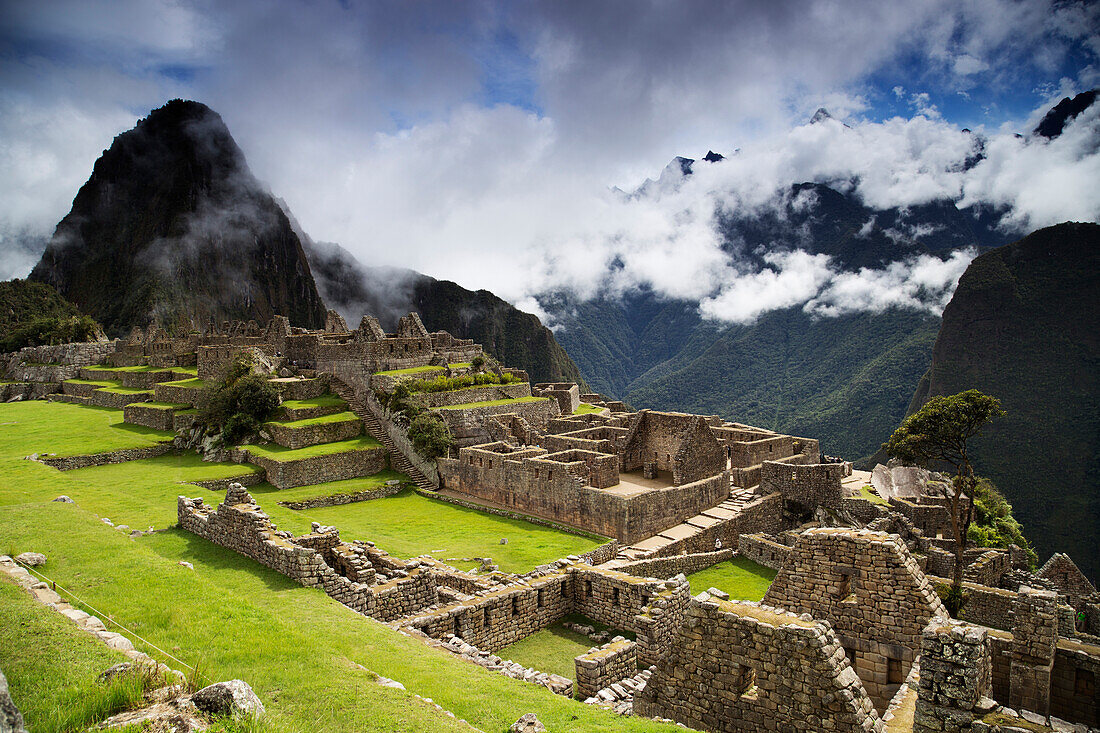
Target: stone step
[304,433]
[71,399]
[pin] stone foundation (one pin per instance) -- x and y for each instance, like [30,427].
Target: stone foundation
[601,667]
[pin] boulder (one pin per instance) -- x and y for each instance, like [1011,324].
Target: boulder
[527,723]
[234,697]
[64,499]
[34,559]
[10,718]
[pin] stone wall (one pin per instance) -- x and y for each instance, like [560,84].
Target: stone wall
[319,469]
[340,499]
[293,437]
[988,568]
[70,463]
[762,515]
[681,444]
[1073,693]
[746,667]
[567,394]
[18,391]
[955,674]
[1034,635]
[118,400]
[808,486]
[158,418]
[666,567]
[470,426]
[486,393]
[320,560]
[763,551]
[755,452]
[53,363]
[870,588]
[178,395]
[601,667]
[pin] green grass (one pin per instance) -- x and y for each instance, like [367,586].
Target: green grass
[550,650]
[143,368]
[165,405]
[743,579]
[127,390]
[461,365]
[266,494]
[95,382]
[193,383]
[51,667]
[68,430]
[585,408]
[866,492]
[324,419]
[491,403]
[281,454]
[325,400]
[411,370]
[409,524]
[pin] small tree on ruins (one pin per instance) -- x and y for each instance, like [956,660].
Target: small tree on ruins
[939,433]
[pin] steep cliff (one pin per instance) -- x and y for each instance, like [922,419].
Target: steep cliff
[172,226]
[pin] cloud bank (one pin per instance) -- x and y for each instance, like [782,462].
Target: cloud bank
[480,143]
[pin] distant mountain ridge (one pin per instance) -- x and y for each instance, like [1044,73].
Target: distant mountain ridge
[172,227]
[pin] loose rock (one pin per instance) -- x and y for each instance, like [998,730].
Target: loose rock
[228,698]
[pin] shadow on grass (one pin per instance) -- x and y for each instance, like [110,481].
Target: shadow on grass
[176,543]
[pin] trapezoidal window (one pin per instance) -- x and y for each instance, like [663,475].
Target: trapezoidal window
[587,588]
[542,597]
[844,588]
[515,605]
[614,596]
[1084,683]
[894,674]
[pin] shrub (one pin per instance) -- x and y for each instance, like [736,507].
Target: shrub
[994,525]
[953,598]
[449,384]
[239,402]
[53,330]
[478,362]
[430,436]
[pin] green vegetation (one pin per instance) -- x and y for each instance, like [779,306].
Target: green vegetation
[193,383]
[95,382]
[323,420]
[430,436]
[939,432]
[466,381]
[232,617]
[166,406]
[868,492]
[127,390]
[409,524]
[491,403]
[585,408]
[267,494]
[283,455]
[241,400]
[52,665]
[325,400]
[411,370]
[742,578]
[550,650]
[994,525]
[33,314]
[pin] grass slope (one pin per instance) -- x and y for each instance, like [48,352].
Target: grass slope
[743,579]
[281,454]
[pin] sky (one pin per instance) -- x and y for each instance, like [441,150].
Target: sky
[483,142]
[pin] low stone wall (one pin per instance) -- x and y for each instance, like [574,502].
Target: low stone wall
[469,427]
[985,606]
[603,666]
[745,667]
[118,400]
[763,551]
[339,499]
[320,469]
[666,567]
[1073,691]
[315,434]
[387,382]
[71,463]
[18,391]
[988,568]
[595,557]
[177,395]
[763,515]
[318,560]
[301,389]
[862,509]
[158,418]
[182,421]
[485,393]
[223,484]
[53,363]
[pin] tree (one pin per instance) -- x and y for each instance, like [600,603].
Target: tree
[938,433]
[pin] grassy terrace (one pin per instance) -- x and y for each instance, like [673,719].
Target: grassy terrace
[868,493]
[266,494]
[281,454]
[410,370]
[743,579]
[334,417]
[165,405]
[550,650]
[491,403]
[303,652]
[585,408]
[325,400]
[95,382]
[127,390]
[409,524]
[142,368]
[193,383]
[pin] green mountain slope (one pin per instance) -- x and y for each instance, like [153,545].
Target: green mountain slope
[22,301]
[1022,326]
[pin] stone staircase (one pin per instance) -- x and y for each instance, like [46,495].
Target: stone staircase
[373,425]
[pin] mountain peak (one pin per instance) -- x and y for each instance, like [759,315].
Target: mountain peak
[821,115]
[1055,120]
[713,157]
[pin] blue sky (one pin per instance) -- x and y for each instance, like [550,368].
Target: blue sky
[436,134]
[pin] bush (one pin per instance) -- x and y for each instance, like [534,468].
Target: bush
[953,598]
[239,402]
[450,384]
[54,330]
[430,436]
[994,525]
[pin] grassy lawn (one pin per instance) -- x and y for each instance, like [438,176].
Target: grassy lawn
[51,665]
[266,494]
[281,454]
[411,370]
[324,419]
[127,390]
[325,400]
[194,383]
[585,408]
[868,493]
[95,382]
[36,427]
[165,405]
[743,579]
[550,650]
[491,403]
[409,524]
